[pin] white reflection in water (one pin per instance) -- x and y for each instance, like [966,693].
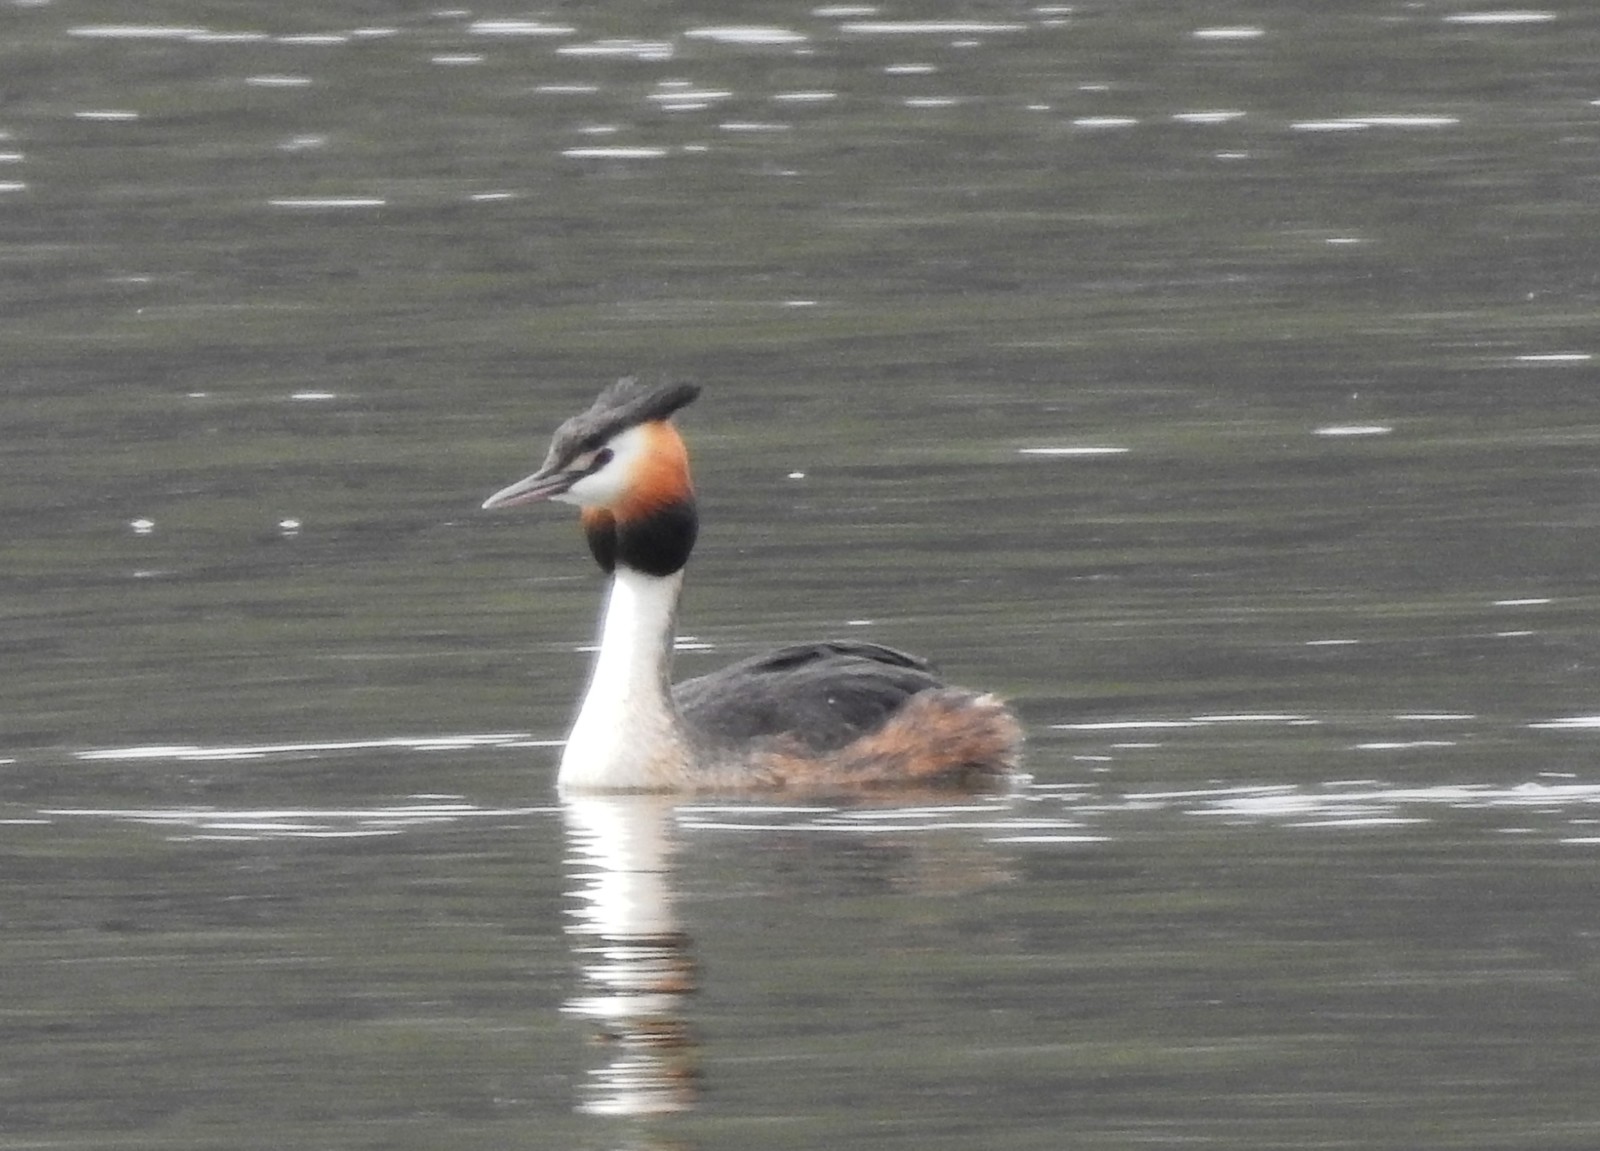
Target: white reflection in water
[1125,724]
[674,95]
[635,957]
[228,37]
[1560,806]
[1348,430]
[328,202]
[518,28]
[1008,818]
[1356,805]
[1329,125]
[1398,744]
[135,32]
[1358,123]
[185,751]
[928,27]
[1401,121]
[1088,450]
[1514,16]
[202,823]
[635,49]
[745,34]
[1219,117]
[620,152]
[1083,810]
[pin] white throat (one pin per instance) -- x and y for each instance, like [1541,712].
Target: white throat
[627,736]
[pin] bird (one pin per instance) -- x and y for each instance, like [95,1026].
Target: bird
[835,715]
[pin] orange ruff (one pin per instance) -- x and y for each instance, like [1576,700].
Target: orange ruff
[660,476]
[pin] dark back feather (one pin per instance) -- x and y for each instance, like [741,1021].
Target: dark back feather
[822,694]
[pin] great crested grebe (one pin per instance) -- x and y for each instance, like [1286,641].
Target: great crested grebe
[836,714]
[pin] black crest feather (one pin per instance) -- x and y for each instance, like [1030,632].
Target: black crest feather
[621,405]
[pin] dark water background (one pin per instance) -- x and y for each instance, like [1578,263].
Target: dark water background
[1217,381]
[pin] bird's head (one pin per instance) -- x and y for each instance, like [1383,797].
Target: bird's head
[625,466]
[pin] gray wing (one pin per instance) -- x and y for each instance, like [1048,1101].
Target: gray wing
[824,694]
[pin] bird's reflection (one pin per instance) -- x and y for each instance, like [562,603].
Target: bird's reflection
[634,956]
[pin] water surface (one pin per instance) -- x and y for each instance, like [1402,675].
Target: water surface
[1217,384]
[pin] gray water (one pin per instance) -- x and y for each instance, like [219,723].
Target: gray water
[1217,382]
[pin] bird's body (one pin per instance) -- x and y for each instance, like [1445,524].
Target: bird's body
[832,715]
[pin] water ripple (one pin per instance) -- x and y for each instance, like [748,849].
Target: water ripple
[204,823]
[184,751]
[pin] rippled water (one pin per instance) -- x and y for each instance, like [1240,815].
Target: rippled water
[1216,383]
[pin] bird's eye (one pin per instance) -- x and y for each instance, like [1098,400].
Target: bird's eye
[601,459]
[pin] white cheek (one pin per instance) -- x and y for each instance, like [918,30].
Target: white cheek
[608,485]
[603,487]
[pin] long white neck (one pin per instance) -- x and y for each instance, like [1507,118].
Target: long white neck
[627,736]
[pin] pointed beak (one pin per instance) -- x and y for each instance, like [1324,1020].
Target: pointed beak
[544,484]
